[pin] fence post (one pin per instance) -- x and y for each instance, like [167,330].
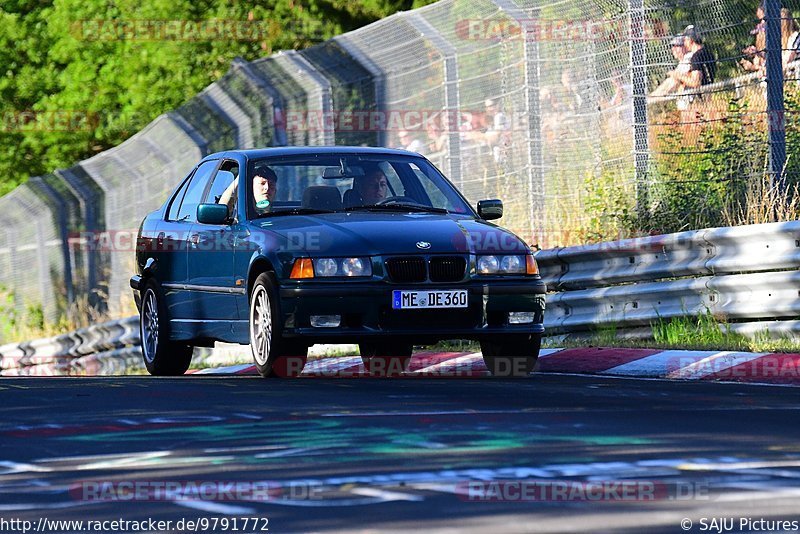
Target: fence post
[300,70]
[451,96]
[636,12]
[775,116]
[536,187]
[378,78]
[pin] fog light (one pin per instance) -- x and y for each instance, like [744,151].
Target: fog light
[521,317]
[326,321]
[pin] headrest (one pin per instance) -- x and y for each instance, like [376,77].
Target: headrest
[322,197]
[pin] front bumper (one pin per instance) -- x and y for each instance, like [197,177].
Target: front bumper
[366,311]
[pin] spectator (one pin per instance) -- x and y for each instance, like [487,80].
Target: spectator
[671,84]
[437,136]
[702,65]
[410,143]
[497,132]
[755,54]
[790,37]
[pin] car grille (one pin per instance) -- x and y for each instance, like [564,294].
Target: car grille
[418,269]
[406,270]
[447,269]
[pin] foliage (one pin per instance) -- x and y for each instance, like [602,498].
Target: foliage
[54,62]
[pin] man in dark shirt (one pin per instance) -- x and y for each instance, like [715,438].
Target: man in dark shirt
[703,65]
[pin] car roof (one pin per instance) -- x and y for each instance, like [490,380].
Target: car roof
[258,153]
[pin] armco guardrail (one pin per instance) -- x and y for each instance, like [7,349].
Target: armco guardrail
[744,274]
[748,275]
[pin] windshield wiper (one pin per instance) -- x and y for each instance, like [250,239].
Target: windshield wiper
[397,207]
[295,211]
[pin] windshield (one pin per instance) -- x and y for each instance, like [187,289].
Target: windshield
[332,183]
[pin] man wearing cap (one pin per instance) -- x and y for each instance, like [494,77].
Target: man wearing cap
[702,67]
[670,84]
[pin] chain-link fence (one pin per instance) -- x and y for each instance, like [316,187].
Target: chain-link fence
[591,119]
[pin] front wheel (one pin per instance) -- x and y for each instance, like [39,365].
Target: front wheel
[386,359]
[511,356]
[162,357]
[273,355]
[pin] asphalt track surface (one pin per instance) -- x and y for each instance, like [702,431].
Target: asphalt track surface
[374,454]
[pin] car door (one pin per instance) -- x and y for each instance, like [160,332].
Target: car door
[210,259]
[174,233]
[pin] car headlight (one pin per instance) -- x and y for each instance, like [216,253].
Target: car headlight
[488,264]
[327,267]
[510,264]
[356,267]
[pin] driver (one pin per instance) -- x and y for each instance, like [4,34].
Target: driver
[373,187]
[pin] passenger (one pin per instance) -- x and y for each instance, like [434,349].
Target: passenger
[265,188]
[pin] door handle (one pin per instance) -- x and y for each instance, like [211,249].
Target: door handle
[160,238]
[194,240]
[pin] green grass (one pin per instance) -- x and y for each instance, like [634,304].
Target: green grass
[704,332]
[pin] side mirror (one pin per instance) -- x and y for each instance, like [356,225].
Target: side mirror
[489,210]
[212,213]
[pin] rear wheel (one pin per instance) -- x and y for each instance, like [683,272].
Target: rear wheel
[273,355]
[386,359]
[162,357]
[513,355]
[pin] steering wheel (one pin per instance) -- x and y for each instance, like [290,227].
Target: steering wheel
[397,200]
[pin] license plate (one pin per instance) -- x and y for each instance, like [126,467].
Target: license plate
[419,300]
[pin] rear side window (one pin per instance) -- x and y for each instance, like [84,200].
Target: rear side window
[197,186]
[176,200]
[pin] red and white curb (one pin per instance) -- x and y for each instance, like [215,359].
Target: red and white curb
[756,367]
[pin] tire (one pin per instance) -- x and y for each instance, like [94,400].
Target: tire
[511,356]
[162,357]
[273,355]
[385,359]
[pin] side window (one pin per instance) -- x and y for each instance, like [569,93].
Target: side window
[223,182]
[188,210]
[176,200]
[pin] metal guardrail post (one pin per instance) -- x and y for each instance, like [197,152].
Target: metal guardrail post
[451,97]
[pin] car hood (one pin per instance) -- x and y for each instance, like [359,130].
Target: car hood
[370,234]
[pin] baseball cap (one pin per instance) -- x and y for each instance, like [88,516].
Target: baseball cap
[693,33]
[677,41]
